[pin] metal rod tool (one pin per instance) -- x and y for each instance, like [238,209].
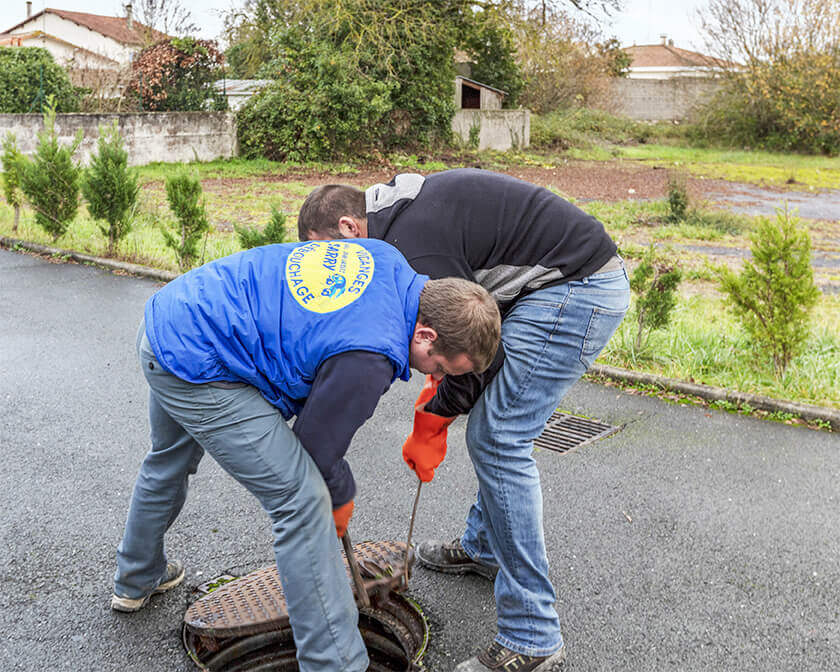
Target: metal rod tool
[361,591]
[410,531]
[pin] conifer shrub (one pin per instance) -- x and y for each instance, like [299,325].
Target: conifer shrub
[654,282]
[110,188]
[11,176]
[183,191]
[774,294]
[50,180]
[274,232]
[677,198]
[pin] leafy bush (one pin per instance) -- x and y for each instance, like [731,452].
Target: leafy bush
[11,175]
[274,232]
[773,295]
[654,281]
[178,74]
[320,108]
[50,180]
[349,77]
[787,104]
[110,188]
[184,194]
[28,77]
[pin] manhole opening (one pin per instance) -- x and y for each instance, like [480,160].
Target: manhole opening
[242,625]
[564,432]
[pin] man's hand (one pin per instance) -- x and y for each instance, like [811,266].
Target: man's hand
[425,447]
[341,516]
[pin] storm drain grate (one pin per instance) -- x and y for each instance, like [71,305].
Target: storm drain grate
[563,432]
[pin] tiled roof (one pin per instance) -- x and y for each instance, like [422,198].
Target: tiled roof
[667,56]
[481,84]
[114,27]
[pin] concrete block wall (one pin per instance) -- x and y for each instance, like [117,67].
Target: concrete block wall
[661,99]
[497,129]
[148,137]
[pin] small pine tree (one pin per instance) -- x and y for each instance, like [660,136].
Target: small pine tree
[677,199]
[184,195]
[274,232]
[654,281]
[773,295]
[110,188]
[11,175]
[50,181]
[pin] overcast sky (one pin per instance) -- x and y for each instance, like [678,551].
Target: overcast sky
[642,22]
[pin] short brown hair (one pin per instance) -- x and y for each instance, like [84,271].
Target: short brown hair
[325,205]
[465,317]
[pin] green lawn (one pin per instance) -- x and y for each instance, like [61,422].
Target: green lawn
[794,171]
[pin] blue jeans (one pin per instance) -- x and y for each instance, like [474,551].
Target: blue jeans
[550,338]
[248,437]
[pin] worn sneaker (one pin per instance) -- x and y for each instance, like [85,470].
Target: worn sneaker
[174,575]
[452,559]
[497,658]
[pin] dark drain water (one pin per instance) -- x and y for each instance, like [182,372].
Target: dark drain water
[564,431]
[243,625]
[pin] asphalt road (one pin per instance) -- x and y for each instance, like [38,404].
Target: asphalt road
[689,540]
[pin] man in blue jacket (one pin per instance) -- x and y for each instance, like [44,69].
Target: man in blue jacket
[234,349]
[562,291]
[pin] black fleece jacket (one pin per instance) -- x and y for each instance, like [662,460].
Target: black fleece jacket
[510,236]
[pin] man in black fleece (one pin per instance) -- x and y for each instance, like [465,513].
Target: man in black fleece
[562,291]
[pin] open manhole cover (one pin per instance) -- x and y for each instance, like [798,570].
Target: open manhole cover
[564,431]
[241,624]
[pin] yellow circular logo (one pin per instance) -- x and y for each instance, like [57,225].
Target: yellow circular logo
[324,276]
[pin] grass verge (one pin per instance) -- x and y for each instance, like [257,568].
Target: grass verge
[705,344]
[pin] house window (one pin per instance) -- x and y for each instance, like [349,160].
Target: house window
[470,97]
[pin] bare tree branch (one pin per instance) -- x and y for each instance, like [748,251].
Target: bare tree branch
[171,17]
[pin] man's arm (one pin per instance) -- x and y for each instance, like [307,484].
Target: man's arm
[344,395]
[457,395]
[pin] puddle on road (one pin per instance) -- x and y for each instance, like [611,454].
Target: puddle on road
[751,200]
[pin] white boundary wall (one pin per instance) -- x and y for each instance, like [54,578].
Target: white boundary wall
[497,129]
[148,137]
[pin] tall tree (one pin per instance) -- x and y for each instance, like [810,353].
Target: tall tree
[758,31]
[783,62]
[171,17]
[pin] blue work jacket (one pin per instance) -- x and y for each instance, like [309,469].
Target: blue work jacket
[271,315]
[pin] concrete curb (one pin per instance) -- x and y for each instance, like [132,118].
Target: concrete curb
[134,269]
[708,392]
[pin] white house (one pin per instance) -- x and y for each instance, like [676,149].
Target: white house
[665,61]
[81,41]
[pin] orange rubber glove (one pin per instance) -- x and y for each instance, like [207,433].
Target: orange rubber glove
[341,516]
[425,447]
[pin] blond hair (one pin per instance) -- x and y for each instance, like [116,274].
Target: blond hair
[465,317]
